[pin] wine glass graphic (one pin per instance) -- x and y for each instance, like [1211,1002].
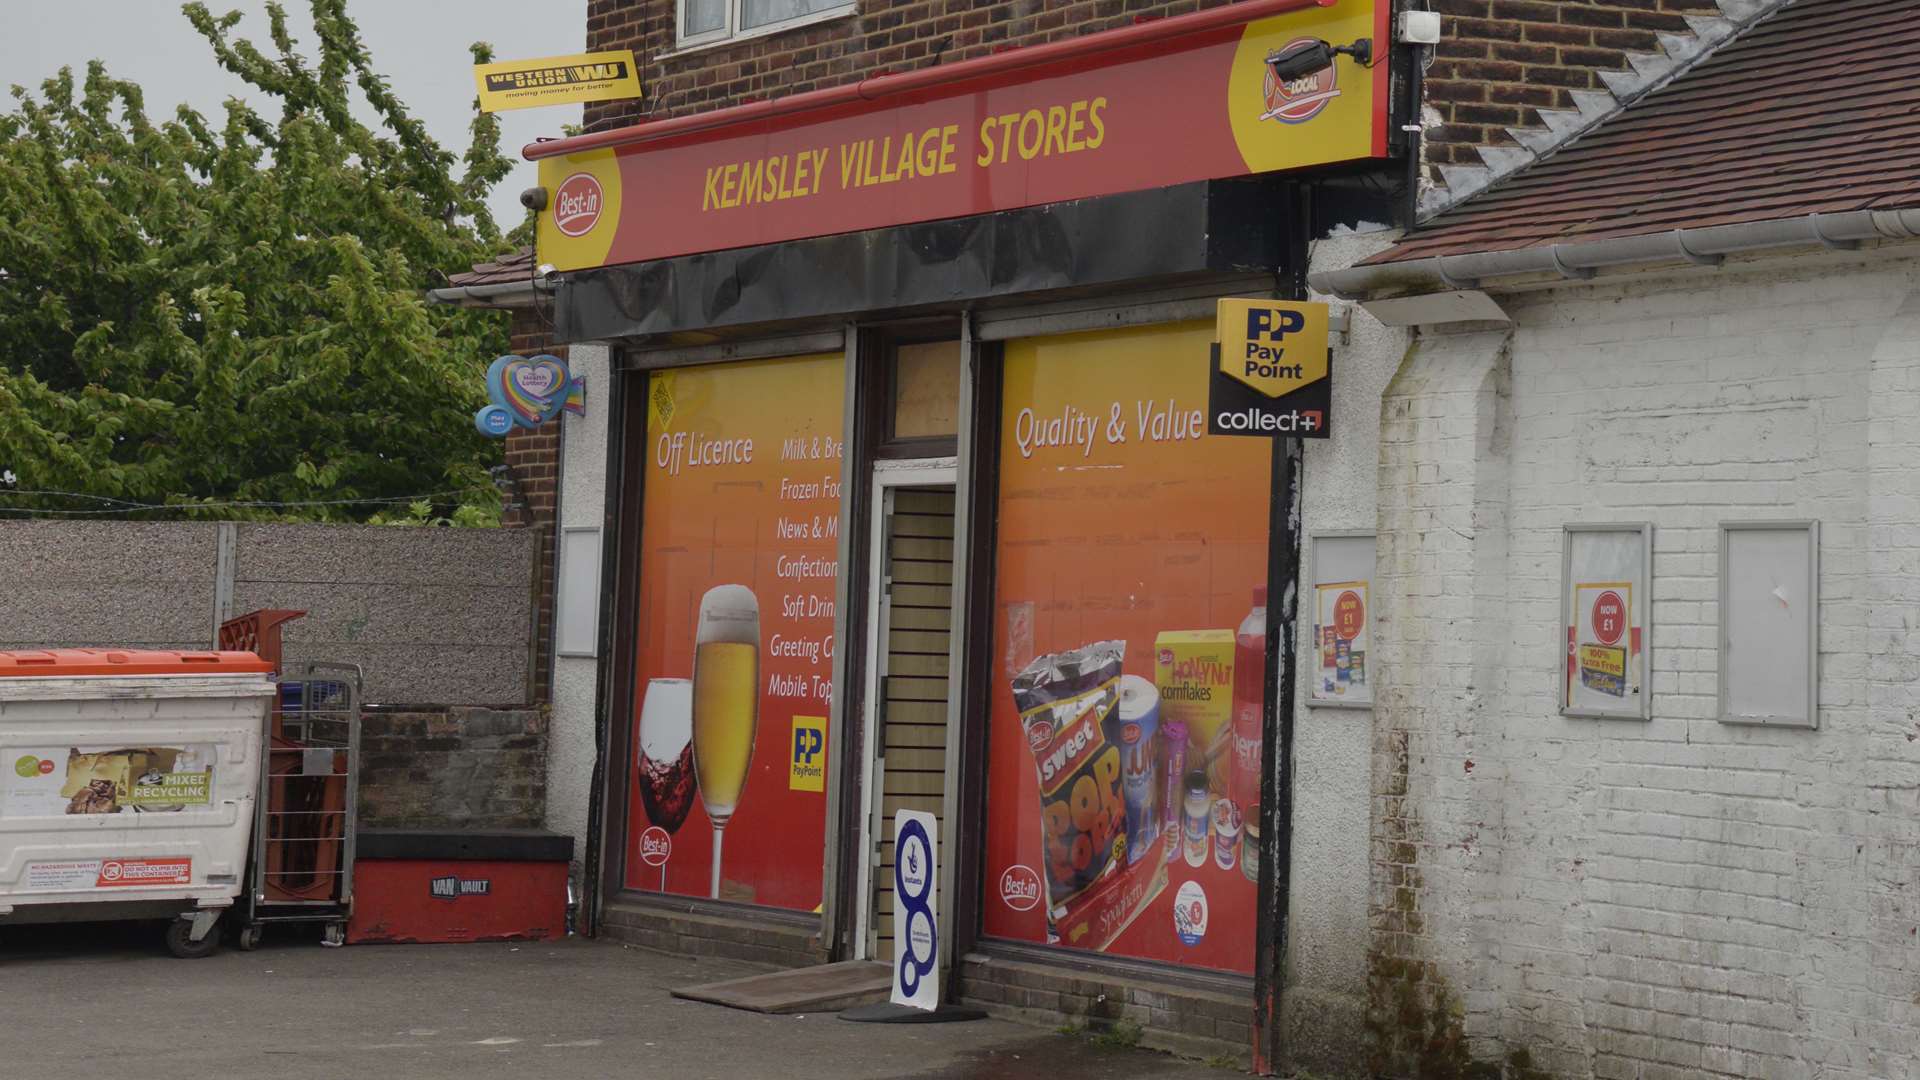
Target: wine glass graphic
[726,703]
[666,755]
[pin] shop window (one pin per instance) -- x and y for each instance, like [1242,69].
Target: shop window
[1129,669]
[739,561]
[706,21]
[926,390]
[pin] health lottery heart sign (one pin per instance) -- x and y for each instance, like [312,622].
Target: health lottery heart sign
[527,392]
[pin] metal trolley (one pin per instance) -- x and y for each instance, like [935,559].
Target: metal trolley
[303,837]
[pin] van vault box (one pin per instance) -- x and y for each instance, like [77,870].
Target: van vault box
[419,887]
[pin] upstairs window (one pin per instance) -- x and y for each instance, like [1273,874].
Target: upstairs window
[703,22]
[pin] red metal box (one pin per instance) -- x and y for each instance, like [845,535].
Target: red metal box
[414,887]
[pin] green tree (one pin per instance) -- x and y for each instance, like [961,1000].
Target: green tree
[201,315]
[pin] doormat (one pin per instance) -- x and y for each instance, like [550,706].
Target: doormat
[826,988]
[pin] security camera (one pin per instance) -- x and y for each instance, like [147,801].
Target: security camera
[547,270]
[1301,59]
[534,199]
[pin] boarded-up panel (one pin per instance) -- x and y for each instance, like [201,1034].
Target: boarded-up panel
[913,717]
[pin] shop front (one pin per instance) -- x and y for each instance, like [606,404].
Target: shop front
[912,503]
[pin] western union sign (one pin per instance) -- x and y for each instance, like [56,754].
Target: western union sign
[1272,372]
[557,80]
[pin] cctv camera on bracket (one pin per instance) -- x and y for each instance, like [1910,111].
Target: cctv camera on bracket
[1301,59]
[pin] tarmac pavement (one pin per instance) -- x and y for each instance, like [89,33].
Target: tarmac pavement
[107,1000]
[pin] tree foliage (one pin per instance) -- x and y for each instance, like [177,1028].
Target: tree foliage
[207,314]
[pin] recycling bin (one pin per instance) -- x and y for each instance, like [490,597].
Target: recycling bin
[128,781]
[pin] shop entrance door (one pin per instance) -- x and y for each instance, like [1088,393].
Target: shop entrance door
[909,682]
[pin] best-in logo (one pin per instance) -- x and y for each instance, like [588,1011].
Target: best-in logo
[1040,735]
[576,205]
[655,846]
[1296,101]
[1019,887]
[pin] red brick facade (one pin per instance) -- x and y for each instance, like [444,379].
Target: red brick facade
[1498,60]
[533,464]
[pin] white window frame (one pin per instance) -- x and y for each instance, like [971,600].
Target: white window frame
[730,32]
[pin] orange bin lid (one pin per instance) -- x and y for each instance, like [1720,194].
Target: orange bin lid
[24,663]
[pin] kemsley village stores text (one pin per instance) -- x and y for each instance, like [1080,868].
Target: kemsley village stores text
[1035,133]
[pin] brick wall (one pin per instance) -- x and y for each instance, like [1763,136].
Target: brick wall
[454,768]
[1677,897]
[1498,61]
[533,463]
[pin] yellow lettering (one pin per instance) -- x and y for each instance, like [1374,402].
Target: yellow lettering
[1076,123]
[927,155]
[947,135]
[729,194]
[819,173]
[750,177]
[1008,122]
[712,195]
[802,173]
[1056,131]
[904,167]
[1099,128]
[985,157]
[849,157]
[1039,127]
[867,176]
[774,187]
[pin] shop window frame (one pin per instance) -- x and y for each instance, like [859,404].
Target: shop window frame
[980,477]
[730,32]
[884,343]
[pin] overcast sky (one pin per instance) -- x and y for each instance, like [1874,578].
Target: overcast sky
[419,45]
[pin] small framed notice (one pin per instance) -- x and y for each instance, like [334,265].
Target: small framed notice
[1606,575]
[1338,669]
[1769,623]
[577,606]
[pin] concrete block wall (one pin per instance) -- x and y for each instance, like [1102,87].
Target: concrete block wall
[75,583]
[433,616]
[1676,897]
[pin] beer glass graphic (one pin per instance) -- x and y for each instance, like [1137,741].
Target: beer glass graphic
[726,703]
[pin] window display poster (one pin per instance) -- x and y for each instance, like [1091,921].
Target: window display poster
[1125,734]
[738,565]
[1340,643]
[1605,605]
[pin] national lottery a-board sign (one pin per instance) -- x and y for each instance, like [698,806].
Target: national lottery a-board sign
[1271,373]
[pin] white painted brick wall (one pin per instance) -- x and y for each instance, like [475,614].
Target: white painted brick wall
[1677,897]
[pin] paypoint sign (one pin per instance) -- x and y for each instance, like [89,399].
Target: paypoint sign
[1272,372]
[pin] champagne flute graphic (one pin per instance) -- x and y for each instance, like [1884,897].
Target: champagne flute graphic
[726,703]
[666,756]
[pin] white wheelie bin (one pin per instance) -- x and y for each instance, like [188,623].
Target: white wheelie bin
[127,786]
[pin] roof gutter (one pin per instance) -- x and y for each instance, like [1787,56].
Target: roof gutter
[997,65]
[508,294]
[1708,246]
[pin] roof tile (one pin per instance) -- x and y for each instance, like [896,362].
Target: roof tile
[1816,109]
